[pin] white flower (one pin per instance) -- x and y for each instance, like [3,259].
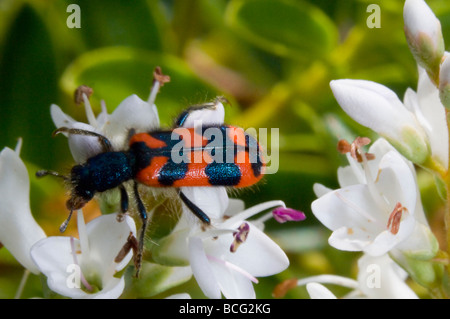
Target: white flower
[424,35]
[216,268]
[86,267]
[430,112]
[18,229]
[416,128]
[377,107]
[378,207]
[378,278]
[131,114]
[25,239]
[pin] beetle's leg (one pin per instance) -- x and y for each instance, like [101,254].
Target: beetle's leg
[130,134]
[64,225]
[144,218]
[106,144]
[195,209]
[123,203]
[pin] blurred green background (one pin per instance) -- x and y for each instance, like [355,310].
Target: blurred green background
[273,60]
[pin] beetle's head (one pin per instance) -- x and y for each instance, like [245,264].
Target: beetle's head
[82,191]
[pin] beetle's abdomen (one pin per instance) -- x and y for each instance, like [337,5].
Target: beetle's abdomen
[210,156]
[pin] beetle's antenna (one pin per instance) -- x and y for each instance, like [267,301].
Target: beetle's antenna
[43,173]
[64,225]
[106,144]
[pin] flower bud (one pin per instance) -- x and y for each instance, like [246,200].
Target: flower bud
[424,36]
[283,215]
[444,82]
[416,256]
[378,108]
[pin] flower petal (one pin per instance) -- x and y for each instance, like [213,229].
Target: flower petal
[434,114]
[213,201]
[259,255]
[83,147]
[320,190]
[234,206]
[60,119]
[380,277]
[371,104]
[202,269]
[319,291]
[132,113]
[422,244]
[206,116]
[233,284]
[351,207]
[396,183]
[173,249]
[349,176]
[350,239]
[112,290]
[53,255]
[18,229]
[106,238]
[385,240]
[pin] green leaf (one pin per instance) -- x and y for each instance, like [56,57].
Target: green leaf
[119,23]
[285,28]
[28,84]
[155,279]
[115,73]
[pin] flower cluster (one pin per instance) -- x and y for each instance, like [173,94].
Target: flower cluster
[225,259]
[77,267]
[378,210]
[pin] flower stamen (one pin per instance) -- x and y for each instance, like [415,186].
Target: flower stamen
[393,224]
[233,267]
[80,91]
[75,261]
[159,79]
[240,236]
[355,148]
[282,288]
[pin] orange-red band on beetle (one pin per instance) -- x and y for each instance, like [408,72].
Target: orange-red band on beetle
[149,140]
[149,175]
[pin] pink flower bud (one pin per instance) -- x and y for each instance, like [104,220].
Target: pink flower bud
[283,215]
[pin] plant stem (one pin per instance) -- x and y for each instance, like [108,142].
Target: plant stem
[446,178]
[23,281]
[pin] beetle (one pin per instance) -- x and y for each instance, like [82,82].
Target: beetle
[201,156]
